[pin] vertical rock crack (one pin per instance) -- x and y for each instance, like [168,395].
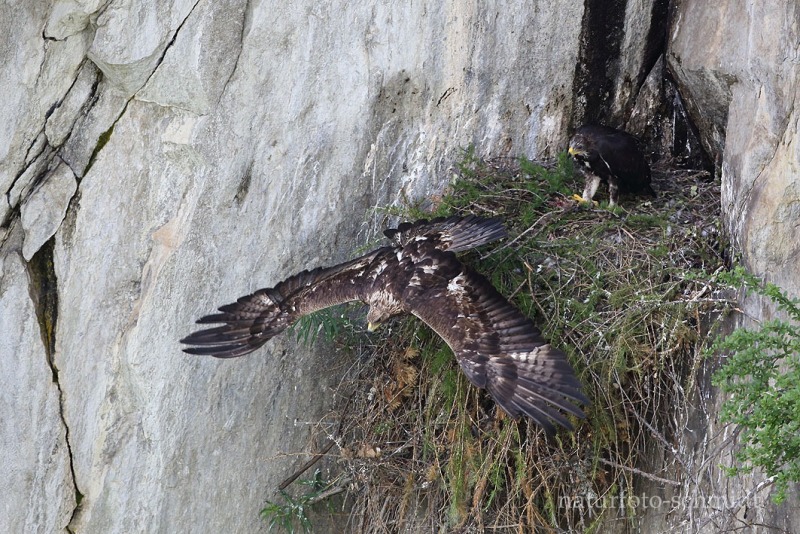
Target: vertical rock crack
[43,289]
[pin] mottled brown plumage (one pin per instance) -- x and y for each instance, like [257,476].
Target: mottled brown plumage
[496,345]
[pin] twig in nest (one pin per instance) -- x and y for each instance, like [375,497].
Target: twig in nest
[314,459]
[547,216]
[335,490]
[639,472]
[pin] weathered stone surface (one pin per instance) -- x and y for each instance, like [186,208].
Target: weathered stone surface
[737,65]
[34,459]
[196,70]
[78,100]
[93,129]
[645,30]
[741,82]
[43,211]
[70,17]
[130,39]
[36,74]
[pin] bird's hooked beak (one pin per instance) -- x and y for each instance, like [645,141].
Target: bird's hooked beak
[573,151]
[371,327]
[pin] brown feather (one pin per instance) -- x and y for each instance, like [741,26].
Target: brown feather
[499,348]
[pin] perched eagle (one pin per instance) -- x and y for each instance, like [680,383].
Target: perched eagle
[611,156]
[495,344]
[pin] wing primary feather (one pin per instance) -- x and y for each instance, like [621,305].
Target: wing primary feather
[253,319]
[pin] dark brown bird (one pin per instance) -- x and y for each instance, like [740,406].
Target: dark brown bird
[610,156]
[495,344]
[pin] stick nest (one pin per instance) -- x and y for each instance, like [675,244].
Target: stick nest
[628,294]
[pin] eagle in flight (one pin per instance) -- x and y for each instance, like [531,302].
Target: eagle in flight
[497,347]
[610,156]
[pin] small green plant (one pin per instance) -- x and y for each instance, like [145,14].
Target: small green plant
[762,374]
[470,163]
[556,178]
[288,514]
[294,510]
[333,324]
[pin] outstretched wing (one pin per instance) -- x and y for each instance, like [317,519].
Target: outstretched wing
[254,319]
[499,348]
[454,233]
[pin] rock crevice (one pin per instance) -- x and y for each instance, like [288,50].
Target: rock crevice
[43,290]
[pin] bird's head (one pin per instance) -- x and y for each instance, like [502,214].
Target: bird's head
[376,317]
[382,307]
[579,146]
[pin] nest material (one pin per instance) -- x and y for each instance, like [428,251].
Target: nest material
[627,294]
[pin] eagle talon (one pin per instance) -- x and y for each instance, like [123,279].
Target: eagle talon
[579,199]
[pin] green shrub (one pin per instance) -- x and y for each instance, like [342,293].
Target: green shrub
[762,375]
[294,509]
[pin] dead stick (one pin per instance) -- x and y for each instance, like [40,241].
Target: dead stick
[342,486]
[639,472]
[314,459]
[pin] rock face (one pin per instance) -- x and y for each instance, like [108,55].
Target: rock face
[741,83]
[160,159]
[35,458]
[737,66]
